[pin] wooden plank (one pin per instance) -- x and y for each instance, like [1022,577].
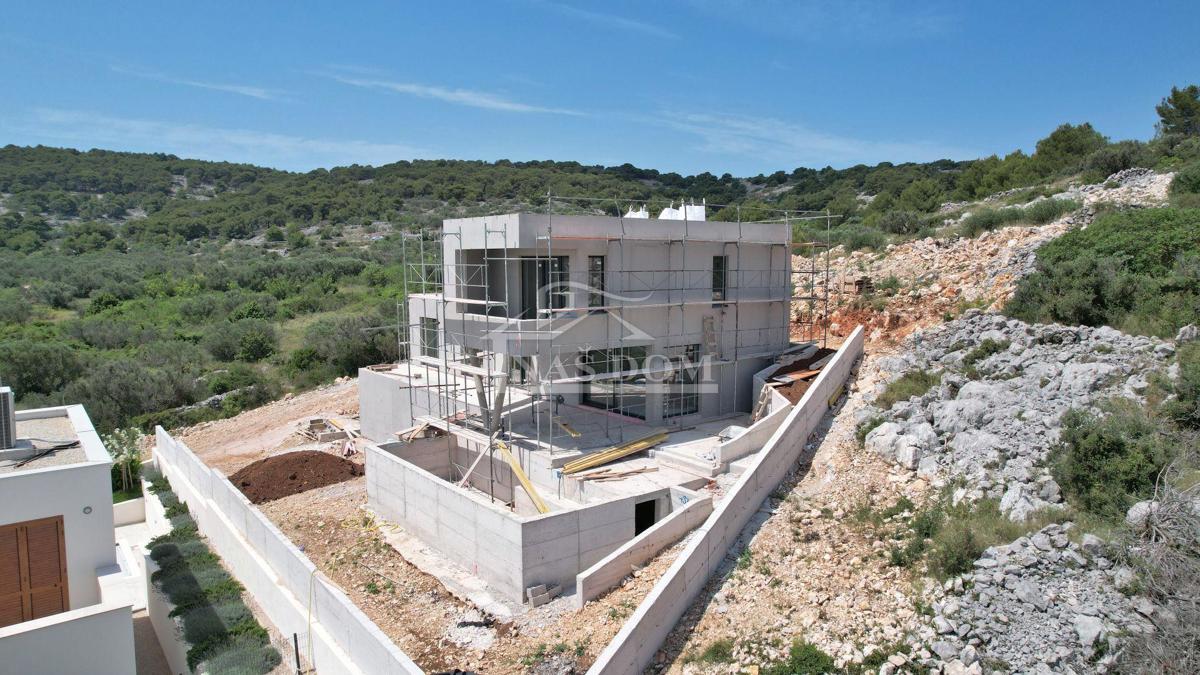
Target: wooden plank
[614,453]
[567,428]
[520,474]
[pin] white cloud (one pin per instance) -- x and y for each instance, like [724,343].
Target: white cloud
[611,20]
[795,145]
[849,21]
[261,93]
[466,97]
[87,129]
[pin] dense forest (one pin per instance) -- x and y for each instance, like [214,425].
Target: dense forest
[162,290]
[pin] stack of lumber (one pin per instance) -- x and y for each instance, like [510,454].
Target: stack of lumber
[614,453]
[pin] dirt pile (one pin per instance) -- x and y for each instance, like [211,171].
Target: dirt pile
[292,473]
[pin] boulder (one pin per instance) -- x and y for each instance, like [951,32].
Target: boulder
[1139,514]
[1189,333]
[1088,629]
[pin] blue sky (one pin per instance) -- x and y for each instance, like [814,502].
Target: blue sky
[688,86]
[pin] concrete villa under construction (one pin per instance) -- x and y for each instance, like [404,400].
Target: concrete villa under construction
[569,383]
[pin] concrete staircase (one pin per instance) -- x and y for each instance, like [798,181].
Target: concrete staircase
[686,461]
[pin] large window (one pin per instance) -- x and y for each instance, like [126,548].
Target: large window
[429,336]
[544,284]
[595,281]
[625,395]
[719,271]
[681,396]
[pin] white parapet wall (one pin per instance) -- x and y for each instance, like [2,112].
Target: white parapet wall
[597,579]
[635,644]
[97,640]
[297,598]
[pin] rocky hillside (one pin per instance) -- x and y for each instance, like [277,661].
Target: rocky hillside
[927,531]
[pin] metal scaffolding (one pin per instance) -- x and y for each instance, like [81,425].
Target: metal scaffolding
[457,298]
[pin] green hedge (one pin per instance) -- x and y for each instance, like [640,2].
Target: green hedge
[219,628]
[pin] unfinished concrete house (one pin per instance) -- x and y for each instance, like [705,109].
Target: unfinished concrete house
[571,382]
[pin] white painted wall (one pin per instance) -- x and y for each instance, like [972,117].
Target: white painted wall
[295,596]
[166,628]
[97,640]
[68,491]
[636,643]
[129,512]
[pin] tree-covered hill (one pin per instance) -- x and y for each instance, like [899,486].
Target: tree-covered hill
[156,289]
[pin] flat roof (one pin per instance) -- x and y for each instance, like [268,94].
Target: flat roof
[50,438]
[529,230]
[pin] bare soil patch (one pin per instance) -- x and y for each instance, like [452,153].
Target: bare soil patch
[292,473]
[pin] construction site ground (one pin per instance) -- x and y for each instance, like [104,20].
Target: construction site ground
[336,530]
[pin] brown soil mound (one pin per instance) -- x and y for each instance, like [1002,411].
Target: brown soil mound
[291,473]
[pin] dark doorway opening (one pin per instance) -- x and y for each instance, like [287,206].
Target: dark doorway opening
[643,516]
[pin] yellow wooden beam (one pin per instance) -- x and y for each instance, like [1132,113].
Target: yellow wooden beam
[614,453]
[520,474]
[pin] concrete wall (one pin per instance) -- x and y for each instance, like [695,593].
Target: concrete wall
[431,454]
[556,546]
[383,405]
[97,640]
[755,437]
[166,628]
[509,551]
[296,597]
[129,512]
[635,644]
[610,570]
[483,538]
[69,491]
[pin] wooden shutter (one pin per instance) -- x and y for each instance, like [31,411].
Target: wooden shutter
[33,570]
[12,608]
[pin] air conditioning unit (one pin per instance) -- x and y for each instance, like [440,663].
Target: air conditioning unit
[8,419]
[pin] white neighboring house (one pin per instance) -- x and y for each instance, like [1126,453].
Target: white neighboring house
[58,552]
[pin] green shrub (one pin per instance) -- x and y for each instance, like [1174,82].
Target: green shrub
[718,651]
[245,655]
[1138,271]
[1038,213]
[908,385]
[867,427]
[900,222]
[1184,408]
[1185,187]
[1048,210]
[217,626]
[987,219]
[804,658]
[980,353]
[1105,464]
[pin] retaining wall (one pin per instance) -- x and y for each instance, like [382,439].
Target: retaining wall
[754,437]
[296,597]
[635,644]
[597,579]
